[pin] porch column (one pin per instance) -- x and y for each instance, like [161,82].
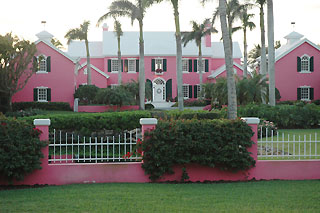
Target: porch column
[253,123]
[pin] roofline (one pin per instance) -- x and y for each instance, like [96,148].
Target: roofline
[222,68]
[95,68]
[297,44]
[56,49]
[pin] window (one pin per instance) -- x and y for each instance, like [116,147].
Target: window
[305,93]
[159,64]
[42,94]
[132,65]
[114,86]
[185,90]
[114,65]
[185,65]
[203,65]
[305,63]
[44,64]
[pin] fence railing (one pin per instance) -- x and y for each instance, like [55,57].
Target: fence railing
[281,145]
[70,148]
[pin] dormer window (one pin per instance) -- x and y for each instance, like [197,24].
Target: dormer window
[44,64]
[305,64]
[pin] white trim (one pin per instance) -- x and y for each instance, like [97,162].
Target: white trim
[222,69]
[41,122]
[56,49]
[148,121]
[305,87]
[294,46]
[94,68]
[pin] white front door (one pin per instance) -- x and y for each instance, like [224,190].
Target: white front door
[159,92]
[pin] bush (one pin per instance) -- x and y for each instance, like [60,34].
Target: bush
[55,106]
[215,143]
[192,103]
[24,113]
[20,148]
[186,114]
[92,122]
[86,94]
[268,128]
[115,96]
[285,116]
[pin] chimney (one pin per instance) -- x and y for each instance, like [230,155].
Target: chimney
[105,27]
[208,37]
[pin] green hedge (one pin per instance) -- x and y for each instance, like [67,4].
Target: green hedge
[215,143]
[187,114]
[20,148]
[61,106]
[285,116]
[91,122]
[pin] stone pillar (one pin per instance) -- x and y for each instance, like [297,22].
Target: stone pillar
[148,124]
[253,123]
[43,125]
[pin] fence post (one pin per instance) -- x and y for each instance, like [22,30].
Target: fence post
[43,125]
[253,123]
[147,124]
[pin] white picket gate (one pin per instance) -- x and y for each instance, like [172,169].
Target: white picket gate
[280,146]
[69,148]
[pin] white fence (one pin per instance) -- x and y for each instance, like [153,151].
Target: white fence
[287,146]
[69,148]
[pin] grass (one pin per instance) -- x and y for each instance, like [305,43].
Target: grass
[288,139]
[262,196]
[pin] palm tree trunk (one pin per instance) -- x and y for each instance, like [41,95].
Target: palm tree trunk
[179,53]
[271,54]
[245,54]
[120,68]
[200,67]
[263,63]
[232,96]
[88,63]
[141,68]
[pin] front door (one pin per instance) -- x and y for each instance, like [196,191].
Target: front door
[159,92]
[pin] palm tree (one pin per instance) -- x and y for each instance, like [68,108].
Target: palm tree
[119,8]
[271,54]
[81,33]
[175,4]
[198,32]
[119,33]
[263,62]
[226,36]
[246,23]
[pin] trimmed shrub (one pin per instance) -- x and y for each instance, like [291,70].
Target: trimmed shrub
[215,143]
[299,116]
[20,148]
[186,114]
[192,103]
[24,113]
[55,106]
[86,94]
[91,122]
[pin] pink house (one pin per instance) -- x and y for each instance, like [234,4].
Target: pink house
[297,71]
[68,70]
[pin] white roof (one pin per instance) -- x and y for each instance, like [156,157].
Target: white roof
[155,44]
[222,69]
[78,49]
[294,41]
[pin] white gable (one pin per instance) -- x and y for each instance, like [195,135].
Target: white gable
[222,69]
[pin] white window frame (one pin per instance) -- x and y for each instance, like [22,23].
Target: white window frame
[185,67]
[134,61]
[199,91]
[39,64]
[302,95]
[114,86]
[42,95]
[305,63]
[112,65]
[158,65]
[185,93]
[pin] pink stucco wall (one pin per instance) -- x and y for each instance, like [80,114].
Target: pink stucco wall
[60,79]
[288,79]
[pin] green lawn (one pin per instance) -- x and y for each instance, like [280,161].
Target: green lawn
[284,141]
[262,196]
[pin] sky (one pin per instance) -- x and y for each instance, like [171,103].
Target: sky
[23,18]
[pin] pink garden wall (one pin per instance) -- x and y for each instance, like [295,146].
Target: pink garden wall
[59,174]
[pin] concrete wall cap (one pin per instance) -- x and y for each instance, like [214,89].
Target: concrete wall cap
[251,120]
[42,122]
[148,121]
